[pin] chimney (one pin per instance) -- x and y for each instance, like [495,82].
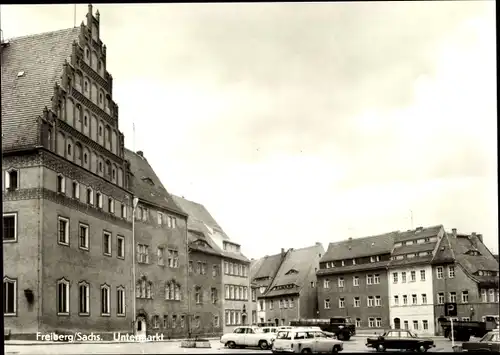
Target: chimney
[419,229]
[454,232]
[282,252]
[318,244]
[349,239]
[140,153]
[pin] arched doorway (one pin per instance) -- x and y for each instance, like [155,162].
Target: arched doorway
[140,329]
[397,323]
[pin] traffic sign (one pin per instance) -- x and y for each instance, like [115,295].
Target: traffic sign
[450,309]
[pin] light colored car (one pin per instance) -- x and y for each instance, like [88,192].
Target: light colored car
[305,340]
[269,329]
[248,337]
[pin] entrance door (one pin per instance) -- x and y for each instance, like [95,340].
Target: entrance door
[141,327]
[397,323]
[244,319]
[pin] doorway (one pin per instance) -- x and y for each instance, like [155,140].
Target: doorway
[397,323]
[141,327]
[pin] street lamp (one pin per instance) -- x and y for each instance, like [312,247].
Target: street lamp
[188,294]
[135,201]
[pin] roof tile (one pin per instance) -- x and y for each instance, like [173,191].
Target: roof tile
[360,247]
[41,58]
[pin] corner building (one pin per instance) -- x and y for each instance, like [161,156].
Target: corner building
[66,204]
[352,281]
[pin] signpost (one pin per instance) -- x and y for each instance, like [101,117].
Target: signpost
[450,310]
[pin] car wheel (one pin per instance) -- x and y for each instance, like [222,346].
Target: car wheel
[335,350]
[231,344]
[263,345]
[306,351]
[340,336]
[381,348]
[422,349]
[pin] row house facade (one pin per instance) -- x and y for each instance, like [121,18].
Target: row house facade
[352,281]
[410,278]
[160,254]
[66,203]
[235,304]
[467,273]
[292,294]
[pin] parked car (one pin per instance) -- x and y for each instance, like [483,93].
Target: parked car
[251,336]
[305,340]
[342,327]
[399,339]
[269,329]
[490,342]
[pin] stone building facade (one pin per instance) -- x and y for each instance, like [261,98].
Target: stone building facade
[66,204]
[352,281]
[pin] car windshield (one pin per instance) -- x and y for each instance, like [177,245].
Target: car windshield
[257,330]
[412,335]
[487,337]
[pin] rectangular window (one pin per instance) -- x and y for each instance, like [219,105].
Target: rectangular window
[327,303]
[341,303]
[61,184]
[369,279]
[406,325]
[403,277]
[120,246]
[84,299]
[160,252]
[465,296]
[216,321]
[425,324]
[451,271]
[370,301]
[422,275]
[378,322]
[371,322]
[99,199]
[396,300]
[174,321]
[326,283]
[484,295]
[76,190]
[9,297]
[413,276]
[213,295]
[378,301]
[63,231]
[173,258]
[120,301]
[376,279]
[10,227]
[160,218]
[124,211]
[424,298]
[405,300]
[90,196]
[415,325]
[106,243]
[63,297]
[11,180]
[215,270]
[453,297]
[355,281]
[165,321]
[105,301]
[440,298]
[414,299]
[111,205]
[358,322]
[341,282]
[395,277]
[84,236]
[142,254]
[356,302]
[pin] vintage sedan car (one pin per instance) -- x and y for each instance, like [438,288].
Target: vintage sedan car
[399,339]
[305,340]
[248,337]
[269,329]
[490,343]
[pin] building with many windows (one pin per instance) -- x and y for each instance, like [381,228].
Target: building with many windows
[161,262]
[411,279]
[292,293]
[66,204]
[352,281]
[465,272]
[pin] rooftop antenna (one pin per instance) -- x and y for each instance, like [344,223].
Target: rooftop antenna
[74,15]
[411,219]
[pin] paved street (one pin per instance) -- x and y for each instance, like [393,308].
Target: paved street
[357,344]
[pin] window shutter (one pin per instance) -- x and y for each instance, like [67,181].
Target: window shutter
[7,180]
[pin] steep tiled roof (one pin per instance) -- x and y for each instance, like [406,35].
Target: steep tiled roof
[295,269]
[41,58]
[418,233]
[485,261]
[197,211]
[360,247]
[147,186]
[210,248]
[201,220]
[444,252]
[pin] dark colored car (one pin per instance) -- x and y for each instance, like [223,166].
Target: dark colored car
[490,343]
[399,339]
[342,327]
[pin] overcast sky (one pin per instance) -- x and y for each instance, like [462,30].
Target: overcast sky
[297,123]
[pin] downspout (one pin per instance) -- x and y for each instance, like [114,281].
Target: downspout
[40,233]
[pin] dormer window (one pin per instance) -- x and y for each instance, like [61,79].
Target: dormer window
[354,261]
[342,263]
[292,271]
[148,180]
[374,259]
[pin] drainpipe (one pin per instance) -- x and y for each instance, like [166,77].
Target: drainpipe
[134,301]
